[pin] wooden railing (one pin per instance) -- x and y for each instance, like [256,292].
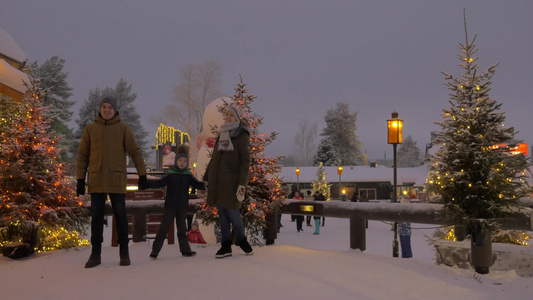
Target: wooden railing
[357,212]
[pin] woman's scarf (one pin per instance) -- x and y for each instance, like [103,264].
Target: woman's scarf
[227,131]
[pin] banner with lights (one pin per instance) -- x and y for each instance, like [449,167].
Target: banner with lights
[518,149]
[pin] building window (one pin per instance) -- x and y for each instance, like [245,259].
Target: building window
[369,193]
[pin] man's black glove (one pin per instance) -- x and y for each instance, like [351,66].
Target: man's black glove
[80,188]
[143,183]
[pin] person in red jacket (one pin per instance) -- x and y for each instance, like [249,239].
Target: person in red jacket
[194,235]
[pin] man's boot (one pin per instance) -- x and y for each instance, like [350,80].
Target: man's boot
[125,259]
[94,260]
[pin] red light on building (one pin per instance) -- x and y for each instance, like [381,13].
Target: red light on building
[519,149]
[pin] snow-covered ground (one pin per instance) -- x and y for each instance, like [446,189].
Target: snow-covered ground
[299,266]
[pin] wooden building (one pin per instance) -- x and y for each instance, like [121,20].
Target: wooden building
[12,62]
[375,182]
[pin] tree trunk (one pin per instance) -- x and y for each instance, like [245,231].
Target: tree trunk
[481,251]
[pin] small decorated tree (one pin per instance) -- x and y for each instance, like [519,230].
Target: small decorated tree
[264,191]
[37,198]
[321,184]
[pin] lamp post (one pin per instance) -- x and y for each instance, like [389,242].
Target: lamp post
[297,179]
[394,127]
[339,171]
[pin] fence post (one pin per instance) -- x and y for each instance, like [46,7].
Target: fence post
[357,233]
[139,226]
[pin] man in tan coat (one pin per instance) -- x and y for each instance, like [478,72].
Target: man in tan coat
[102,154]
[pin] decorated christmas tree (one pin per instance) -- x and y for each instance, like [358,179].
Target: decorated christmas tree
[321,184]
[264,192]
[37,198]
[475,172]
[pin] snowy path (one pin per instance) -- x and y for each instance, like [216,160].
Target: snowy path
[299,266]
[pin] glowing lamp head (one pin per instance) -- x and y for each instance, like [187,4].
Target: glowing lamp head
[339,170]
[297,171]
[395,127]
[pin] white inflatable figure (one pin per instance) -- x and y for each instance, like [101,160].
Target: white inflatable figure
[205,142]
[168,156]
[168,160]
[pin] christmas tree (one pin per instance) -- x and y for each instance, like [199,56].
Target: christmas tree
[263,193]
[321,184]
[475,171]
[36,195]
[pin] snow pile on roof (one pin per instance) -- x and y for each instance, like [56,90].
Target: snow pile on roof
[10,48]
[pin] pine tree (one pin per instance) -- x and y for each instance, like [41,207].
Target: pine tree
[477,183]
[326,154]
[54,79]
[408,153]
[263,192]
[340,130]
[36,194]
[125,106]
[321,184]
[128,113]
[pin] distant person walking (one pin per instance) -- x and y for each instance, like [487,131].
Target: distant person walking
[308,218]
[299,218]
[404,231]
[318,197]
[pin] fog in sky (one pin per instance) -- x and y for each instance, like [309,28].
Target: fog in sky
[298,57]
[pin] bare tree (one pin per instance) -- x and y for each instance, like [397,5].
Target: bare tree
[304,147]
[199,85]
[209,77]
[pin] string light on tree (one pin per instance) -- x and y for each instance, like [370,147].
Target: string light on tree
[264,192]
[481,183]
[36,194]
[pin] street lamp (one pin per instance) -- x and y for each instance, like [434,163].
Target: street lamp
[395,127]
[339,171]
[297,179]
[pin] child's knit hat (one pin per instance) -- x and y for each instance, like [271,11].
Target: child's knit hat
[182,151]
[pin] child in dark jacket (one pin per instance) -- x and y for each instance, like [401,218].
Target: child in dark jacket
[177,183]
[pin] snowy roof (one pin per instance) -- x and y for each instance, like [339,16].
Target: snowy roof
[10,48]
[359,174]
[12,77]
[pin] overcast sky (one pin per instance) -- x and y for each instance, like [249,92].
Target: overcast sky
[298,57]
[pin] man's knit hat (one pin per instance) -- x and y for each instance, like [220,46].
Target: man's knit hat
[109,100]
